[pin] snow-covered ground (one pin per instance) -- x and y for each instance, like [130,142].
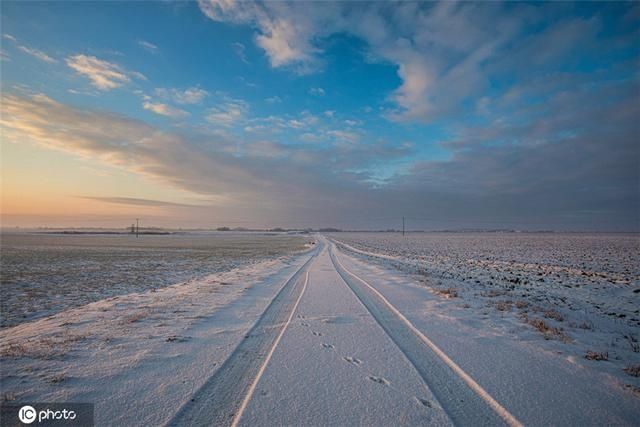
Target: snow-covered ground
[575,294]
[138,357]
[538,385]
[335,336]
[45,273]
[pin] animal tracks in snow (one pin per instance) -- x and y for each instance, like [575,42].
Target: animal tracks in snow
[424,402]
[352,360]
[379,380]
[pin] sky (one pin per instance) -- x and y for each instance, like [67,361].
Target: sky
[321,114]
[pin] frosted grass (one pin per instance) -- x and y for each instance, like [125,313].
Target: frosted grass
[43,274]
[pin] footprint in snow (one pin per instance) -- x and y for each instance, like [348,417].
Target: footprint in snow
[329,346]
[352,360]
[424,402]
[318,334]
[177,338]
[379,380]
[305,324]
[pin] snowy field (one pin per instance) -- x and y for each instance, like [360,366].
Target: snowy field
[357,333]
[43,274]
[139,356]
[580,293]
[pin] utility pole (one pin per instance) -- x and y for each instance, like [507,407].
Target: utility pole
[137,227]
[403,226]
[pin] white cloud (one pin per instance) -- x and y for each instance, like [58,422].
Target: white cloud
[412,95]
[239,49]
[82,92]
[246,82]
[228,113]
[257,128]
[279,41]
[284,38]
[165,110]
[103,75]
[329,113]
[273,100]
[29,50]
[295,124]
[344,136]
[308,118]
[317,91]
[115,140]
[439,49]
[192,95]
[269,123]
[37,54]
[142,95]
[272,124]
[150,47]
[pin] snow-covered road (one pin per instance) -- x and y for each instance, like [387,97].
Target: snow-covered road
[336,366]
[347,343]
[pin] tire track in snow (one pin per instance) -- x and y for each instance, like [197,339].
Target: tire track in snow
[223,398]
[252,389]
[464,400]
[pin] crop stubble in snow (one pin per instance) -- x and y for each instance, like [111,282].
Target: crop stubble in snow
[581,291]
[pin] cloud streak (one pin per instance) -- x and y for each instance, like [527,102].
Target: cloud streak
[132,201]
[102,74]
[149,47]
[42,56]
[240,49]
[37,54]
[165,110]
[228,112]
[191,95]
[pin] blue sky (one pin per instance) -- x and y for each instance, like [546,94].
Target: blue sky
[352,114]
